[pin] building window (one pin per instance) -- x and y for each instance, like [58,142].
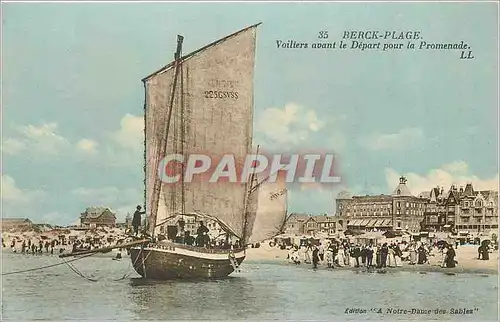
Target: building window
[398,204]
[399,191]
[399,224]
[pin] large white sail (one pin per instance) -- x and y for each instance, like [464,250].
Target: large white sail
[212,113]
[271,210]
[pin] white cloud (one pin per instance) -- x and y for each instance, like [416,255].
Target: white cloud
[87,146]
[291,124]
[131,132]
[453,173]
[17,201]
[14,195]
[13,146]
[122,148]
[43,139]
[400,140]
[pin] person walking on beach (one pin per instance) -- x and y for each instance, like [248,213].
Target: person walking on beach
[356,255]
[422,258]
[315,257]
[444,257]
[483,252]
[136,220]
[397,256]
[341,256]
[321,252]
[384,251]
[363,255]
[391,261]
[329,256]
[369,256]
[450,257]
[413,254]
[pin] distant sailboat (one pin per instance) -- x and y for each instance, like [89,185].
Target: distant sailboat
[201,102]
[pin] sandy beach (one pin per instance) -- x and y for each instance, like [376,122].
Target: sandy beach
[466,255]
[466,258]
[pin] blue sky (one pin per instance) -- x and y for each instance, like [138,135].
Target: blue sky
[73,99]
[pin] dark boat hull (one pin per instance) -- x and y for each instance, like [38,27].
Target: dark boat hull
[173,261]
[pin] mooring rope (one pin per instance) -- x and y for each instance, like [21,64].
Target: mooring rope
[43,267]
[74,269]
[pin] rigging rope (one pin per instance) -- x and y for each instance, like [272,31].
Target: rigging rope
[126,275]
[43,267]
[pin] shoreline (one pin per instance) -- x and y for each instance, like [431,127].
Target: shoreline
[421,269]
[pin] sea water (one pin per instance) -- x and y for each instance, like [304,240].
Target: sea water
[260,291]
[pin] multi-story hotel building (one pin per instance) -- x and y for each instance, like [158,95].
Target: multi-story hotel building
[399,210]
[462,210]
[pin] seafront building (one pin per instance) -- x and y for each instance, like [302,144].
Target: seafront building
[463,211]
[306,224]
[7,224]
[400,210]
[94,217]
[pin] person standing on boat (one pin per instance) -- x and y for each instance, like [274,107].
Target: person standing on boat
[201,235]
[181,233]
[136,220]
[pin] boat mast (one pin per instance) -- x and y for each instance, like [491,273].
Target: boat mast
[163,147]
[245,217]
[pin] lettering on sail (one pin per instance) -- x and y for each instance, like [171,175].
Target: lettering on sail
[222,89]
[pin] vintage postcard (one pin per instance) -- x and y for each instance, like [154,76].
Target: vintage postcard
[250,160]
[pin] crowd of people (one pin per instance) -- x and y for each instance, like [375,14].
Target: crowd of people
[49,246]
[342,253]
[34,248]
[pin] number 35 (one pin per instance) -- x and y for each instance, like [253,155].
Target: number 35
[323,35]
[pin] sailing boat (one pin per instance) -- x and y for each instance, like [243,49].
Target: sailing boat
[200,102]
